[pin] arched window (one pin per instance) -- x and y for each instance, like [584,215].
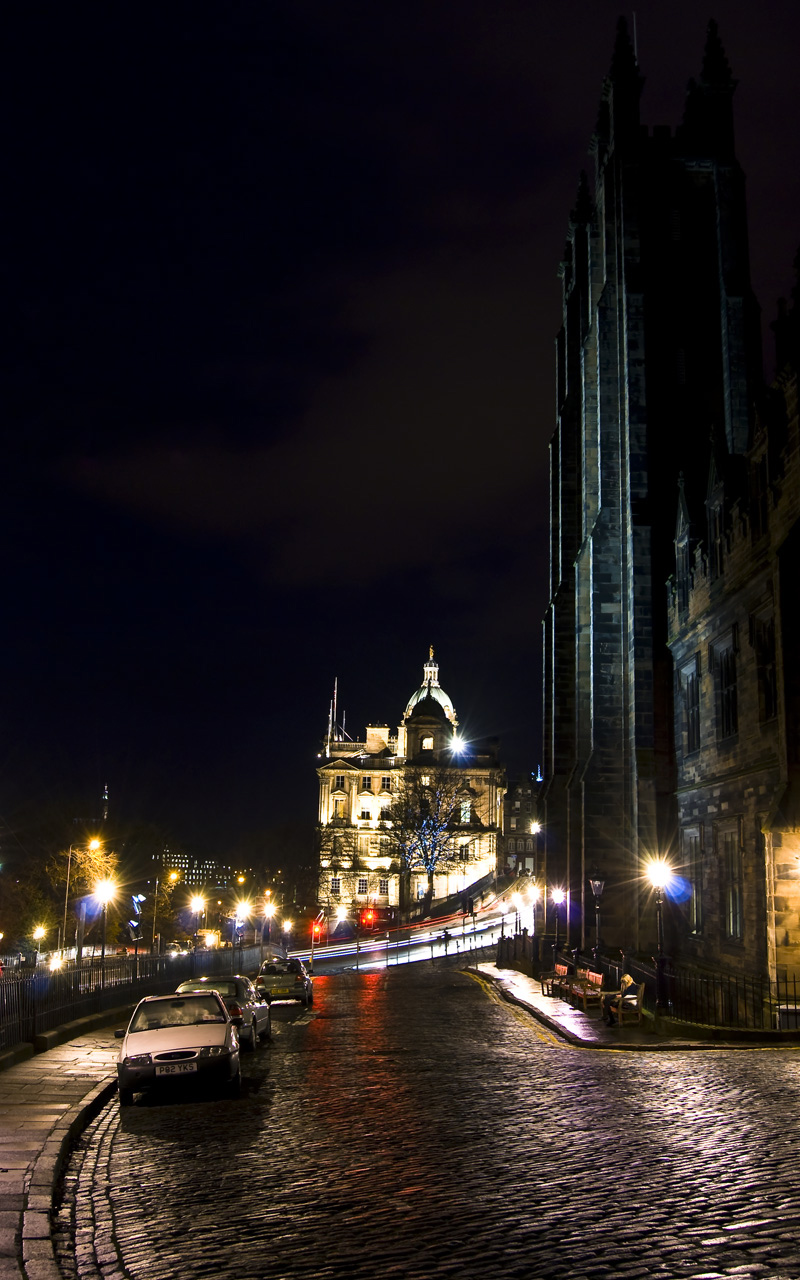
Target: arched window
[427,743]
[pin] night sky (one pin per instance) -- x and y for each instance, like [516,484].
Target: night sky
[281,293]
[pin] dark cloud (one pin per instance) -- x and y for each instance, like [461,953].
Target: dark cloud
[283,287]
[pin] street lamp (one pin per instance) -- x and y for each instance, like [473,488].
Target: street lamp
[558,896]
[198,906]
[104,891]
[535,897]
[659,873]
[598,884]
[38,933]
[269,912]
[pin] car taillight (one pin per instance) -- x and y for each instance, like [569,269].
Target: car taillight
[298,977]
[235,1010]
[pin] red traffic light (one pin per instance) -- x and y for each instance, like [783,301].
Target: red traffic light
[316,928]
[369,916]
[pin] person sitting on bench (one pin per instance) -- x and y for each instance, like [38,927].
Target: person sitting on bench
[611,999]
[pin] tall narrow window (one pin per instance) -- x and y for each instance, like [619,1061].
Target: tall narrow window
[717,542]
[725,685]
[336,886]
[694,866]
[734,885]
[690,680]
[764,644]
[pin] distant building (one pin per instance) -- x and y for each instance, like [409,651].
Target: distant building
[196,873]
[360,865]
[521,824]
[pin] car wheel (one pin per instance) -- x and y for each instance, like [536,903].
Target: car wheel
[250,1041]
[311,995]
[235,1086]
[266,1034]
[126,1097]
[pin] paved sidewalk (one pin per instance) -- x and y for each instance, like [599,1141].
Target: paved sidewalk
[44,1104]
[588,1029]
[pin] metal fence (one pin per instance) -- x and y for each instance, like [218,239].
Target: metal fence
[724,1001]
[38,1000]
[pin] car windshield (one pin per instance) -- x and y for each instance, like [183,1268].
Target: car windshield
[176,1013]
[274,967]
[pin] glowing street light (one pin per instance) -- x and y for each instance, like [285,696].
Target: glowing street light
[105,891]
[659,873]
[198,906]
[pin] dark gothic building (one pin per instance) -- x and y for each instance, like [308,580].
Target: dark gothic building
[734,621]
[658,354]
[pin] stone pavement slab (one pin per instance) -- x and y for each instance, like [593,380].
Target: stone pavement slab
[45,1101]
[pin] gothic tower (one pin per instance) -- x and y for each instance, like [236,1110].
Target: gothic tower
[658,347]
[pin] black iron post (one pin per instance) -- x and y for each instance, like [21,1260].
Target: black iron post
[661,960]
[597,884]
[103,947]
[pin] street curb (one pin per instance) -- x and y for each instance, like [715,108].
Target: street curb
[620,1047]
[61,1034]
[38,1255]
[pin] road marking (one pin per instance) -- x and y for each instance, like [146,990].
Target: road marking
[522,1016]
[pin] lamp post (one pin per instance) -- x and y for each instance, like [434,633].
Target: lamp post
[104,891]
[269,912]
[38,934]
[94,845]
[659,873]
[558,896]
[598,884]
[198,906]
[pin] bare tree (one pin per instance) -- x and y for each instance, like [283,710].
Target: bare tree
[431,807]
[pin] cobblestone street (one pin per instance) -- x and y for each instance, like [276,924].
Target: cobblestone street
[409,1125]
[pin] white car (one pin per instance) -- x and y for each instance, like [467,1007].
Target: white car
[179,1038]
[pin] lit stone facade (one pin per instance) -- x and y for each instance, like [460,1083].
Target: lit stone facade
[360,865]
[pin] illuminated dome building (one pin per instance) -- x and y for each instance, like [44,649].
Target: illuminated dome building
[361,864]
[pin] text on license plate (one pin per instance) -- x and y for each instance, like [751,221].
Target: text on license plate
[280,991]
[176,1068]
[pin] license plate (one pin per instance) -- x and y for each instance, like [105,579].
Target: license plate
[176,1068]
[280,991]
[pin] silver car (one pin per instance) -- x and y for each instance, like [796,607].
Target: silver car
[285,980]
[242,1001]
[178,1038]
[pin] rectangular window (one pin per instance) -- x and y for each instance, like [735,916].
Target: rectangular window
[386,784]
[764,645]
[512,821]
[366,784]
[693,855]
[362,884]
[690,680]
[336,886]
[365,815]
[734,884]
[338,808]
[339,786]
[466,810]
[383,887]
[724,657]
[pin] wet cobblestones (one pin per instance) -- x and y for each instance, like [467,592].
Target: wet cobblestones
[409,1126]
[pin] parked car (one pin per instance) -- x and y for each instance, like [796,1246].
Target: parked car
[242,1001]
[285,980]
[183,1038]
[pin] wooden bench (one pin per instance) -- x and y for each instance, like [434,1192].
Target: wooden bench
[555,980]
[628,1007]
[587,987]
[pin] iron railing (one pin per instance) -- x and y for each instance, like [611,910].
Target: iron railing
[32,1002]
[714,1000]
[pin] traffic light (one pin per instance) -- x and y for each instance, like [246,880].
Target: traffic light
[316,930]
[369,916]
